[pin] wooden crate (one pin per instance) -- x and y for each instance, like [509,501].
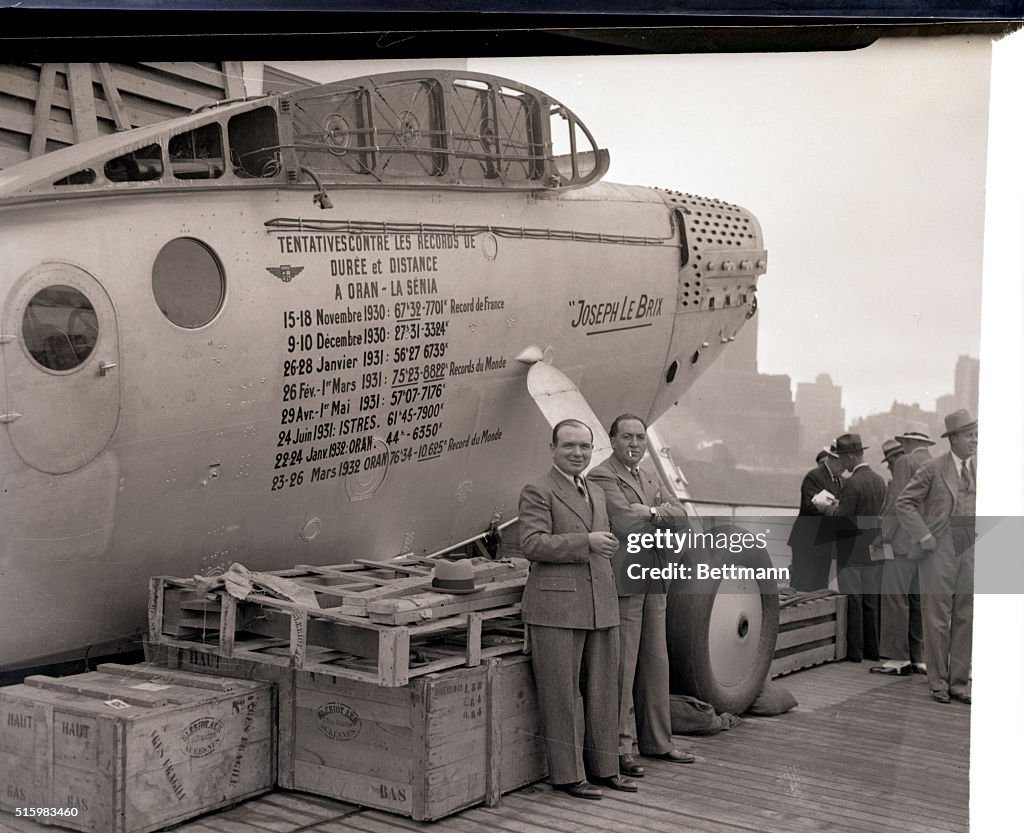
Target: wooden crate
[444,742]
[132,749]
[325,641]
[810,633]
[518,754]
[280,678]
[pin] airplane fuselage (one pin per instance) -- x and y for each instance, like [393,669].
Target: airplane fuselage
[266,382]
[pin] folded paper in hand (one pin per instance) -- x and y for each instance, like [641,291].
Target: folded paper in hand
[880,551]
[824,499]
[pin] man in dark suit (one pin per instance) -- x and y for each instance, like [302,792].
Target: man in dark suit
[937,510]
[857,521]
[637,505]
[811,539]
[902,640]
[572,611]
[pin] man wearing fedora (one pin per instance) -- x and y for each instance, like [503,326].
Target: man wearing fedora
[812,539]
[902,642]
[937,510]
[892,450]
[571,607]
[637,505]
[859,576]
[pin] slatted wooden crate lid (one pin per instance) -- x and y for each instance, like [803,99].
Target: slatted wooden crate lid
[378,622]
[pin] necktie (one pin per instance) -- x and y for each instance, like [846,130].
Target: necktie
[580,487]
[966,476]
[636,474]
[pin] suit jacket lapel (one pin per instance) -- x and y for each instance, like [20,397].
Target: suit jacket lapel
[566,492]
[626,476]
[950,475]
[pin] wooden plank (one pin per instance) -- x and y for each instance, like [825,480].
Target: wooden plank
[492,793]
[441,606]
[808,610]
[113,97]
[25,124]
[228,623]
[41,120]
[390,565]
[192,71]
[803,659]
[83,101]
[393,664]
[136,82]
[802,636]
[841,609]
[11,156]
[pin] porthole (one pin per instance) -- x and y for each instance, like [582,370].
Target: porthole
[670,376]
[59,327]
[188,283]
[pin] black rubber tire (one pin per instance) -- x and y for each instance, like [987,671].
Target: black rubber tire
[722,631]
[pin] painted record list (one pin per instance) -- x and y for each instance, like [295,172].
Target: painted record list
[368,367]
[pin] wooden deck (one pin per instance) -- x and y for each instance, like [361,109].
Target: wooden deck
[862,753]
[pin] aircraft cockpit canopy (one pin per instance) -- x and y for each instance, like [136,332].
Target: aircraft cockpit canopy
[442,129]
[460,128]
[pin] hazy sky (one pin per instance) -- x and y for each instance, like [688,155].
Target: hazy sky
[866,170]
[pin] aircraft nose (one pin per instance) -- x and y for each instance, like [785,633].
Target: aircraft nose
[721,256]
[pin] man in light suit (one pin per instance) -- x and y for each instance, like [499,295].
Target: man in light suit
[571,609]
[636,505]
[812,538]
[902,640]
[937,510]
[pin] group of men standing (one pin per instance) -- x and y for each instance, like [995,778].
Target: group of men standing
[587,616]
[904,551]
[574,529]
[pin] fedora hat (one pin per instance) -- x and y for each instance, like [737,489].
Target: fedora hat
[891,449]
[453,577]
[916,431]
[825,452]
[961,420]
[849,443]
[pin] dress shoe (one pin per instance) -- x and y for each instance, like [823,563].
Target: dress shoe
[628,765]
[581,789]
[940,696]
[893,670]
[854,659]
[675,756]
[617,782]
[920,668]
[963,698]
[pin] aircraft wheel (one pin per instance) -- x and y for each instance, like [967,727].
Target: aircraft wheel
[722,631]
